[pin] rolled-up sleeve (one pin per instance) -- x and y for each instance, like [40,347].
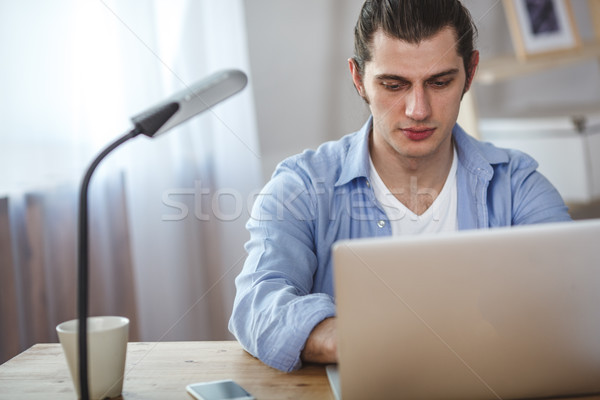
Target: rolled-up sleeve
[275,310]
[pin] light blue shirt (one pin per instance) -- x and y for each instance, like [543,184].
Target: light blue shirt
[318,197]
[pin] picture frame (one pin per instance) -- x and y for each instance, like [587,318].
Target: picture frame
[541,27]
[594,9]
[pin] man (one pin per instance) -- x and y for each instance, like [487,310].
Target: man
[409,170]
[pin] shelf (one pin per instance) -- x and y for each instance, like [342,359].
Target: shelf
[507,67]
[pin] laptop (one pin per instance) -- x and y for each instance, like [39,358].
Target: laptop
[506,313]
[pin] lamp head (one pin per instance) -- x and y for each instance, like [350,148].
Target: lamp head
[189,102]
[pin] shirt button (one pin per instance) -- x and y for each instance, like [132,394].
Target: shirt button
[368,183]
[381,223]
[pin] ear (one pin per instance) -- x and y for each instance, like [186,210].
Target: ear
[356,77]
[472,68]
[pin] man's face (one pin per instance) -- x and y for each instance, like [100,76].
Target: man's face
[414,93]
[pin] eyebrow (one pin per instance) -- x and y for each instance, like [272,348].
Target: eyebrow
[390,77]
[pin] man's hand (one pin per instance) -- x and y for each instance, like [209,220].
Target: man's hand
[321,345]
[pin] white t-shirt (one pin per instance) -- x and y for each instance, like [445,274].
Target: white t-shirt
[439,217]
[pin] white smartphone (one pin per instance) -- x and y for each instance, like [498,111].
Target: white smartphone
[218,390]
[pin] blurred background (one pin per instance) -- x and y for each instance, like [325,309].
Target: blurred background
[168,215]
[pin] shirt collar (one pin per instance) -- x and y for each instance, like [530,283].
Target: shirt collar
[356,162]
[477,157]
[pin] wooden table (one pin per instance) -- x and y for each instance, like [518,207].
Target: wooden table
[161,371]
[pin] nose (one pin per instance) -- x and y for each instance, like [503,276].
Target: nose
[417,104]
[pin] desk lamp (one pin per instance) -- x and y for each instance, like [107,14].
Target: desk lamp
[153,122]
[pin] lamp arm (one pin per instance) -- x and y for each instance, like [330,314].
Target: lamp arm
[83,260]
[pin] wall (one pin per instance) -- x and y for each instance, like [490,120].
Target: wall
[298,55]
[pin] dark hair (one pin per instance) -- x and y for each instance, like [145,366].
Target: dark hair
[413,21]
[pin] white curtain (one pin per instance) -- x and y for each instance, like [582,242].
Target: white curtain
[168,214]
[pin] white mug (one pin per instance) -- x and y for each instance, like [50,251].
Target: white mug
[107,347]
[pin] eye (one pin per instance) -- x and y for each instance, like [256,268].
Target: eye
[440,83]
[393,86]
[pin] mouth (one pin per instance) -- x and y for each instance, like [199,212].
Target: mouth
[417,133]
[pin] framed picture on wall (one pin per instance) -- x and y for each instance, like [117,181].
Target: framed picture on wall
[594,6]
[541,26]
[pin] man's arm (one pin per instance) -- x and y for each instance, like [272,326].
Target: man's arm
[321,346]
[275,310]
[535,199]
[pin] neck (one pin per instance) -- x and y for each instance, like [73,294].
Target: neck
[415,182]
